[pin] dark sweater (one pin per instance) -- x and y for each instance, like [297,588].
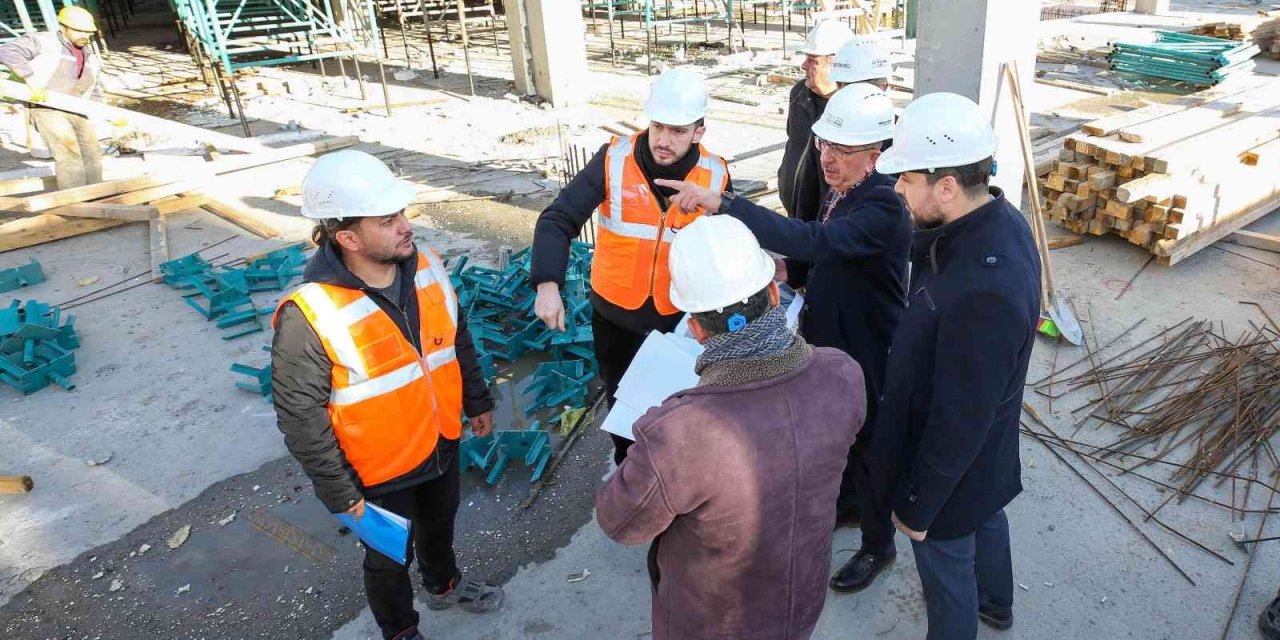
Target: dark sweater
[945,455]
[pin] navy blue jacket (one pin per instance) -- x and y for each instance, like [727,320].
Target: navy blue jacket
[945,455]
[857,272]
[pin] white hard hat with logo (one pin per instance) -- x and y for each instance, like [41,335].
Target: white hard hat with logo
[353,184]
[677,98]
[825,38]
[861,59]
[939,131]
[856,115]
[716,262]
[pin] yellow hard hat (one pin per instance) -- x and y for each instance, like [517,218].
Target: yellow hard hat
[77,18]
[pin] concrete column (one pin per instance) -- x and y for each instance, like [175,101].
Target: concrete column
[1151,6]
[962,46]
[551,35]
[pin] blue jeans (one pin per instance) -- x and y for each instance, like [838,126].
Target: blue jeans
[960,575]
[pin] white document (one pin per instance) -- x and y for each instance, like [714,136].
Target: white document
[662,367]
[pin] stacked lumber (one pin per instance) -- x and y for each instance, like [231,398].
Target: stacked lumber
[1264,36]
[1173,178]
[1228,30]
[1184,57]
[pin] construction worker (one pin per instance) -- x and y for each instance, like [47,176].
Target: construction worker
[945,455]
[856,256]
[629,277]
[734,478]
[862,59]
[800,181]
[66,62]
[372,369]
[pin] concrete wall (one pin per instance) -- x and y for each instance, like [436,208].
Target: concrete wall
[1151,6]
[554,42]
[961,47]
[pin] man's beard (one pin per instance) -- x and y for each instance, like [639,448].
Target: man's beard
[395,255]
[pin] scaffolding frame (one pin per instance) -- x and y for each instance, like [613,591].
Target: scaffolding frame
[225,36]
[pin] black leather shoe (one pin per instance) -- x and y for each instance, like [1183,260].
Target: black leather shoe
[994,618]
[848,518]
[1269,620]
[860,571]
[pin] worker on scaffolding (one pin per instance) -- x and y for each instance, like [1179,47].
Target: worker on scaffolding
[372,369]
[629,276]
[800,181]
[945,456]
[62,61]
[733,480]
[856,256]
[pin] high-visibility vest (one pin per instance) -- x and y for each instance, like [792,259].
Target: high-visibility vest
[634,236]
[388,406]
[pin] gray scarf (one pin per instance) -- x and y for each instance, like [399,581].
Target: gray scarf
[763,337]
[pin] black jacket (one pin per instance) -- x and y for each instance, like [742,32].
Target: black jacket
[857,272]
[565,217]
[800,180]
[945,456]
[301,385]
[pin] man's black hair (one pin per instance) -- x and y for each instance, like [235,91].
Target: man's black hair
[972,178]
[718,322]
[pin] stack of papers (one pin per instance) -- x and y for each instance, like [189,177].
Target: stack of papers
[664,367]
[382,531]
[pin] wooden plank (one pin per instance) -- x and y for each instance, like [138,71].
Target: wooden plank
[53,199]
[1113,124]
[16,484]
[1061,242]
[159,246]
[183,203]
[100,111]
[102,210]
[1256,240]
[1102,179]
[1171,252]
[27,185]
[1157,185]
[1077,86]
[243,219]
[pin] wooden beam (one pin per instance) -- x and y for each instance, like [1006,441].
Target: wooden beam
[100,111]
[102,210]
[16,484]
[185,202]
[1170,252]
[243,219]
[62,197]
[27,185]
[1256,240]
[1065,241]
[159,246]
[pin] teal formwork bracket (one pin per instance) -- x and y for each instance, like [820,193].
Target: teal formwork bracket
[261,377]
[21,276]
[222,294]
[36,346]
[494,452]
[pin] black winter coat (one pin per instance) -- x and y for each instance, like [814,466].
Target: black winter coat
[301,384]
[945,456]
[800,181]
[857,272]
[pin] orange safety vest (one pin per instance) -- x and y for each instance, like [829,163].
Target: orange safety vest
[634,236]
[389,406]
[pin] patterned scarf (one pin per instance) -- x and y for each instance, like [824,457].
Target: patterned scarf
[763,337]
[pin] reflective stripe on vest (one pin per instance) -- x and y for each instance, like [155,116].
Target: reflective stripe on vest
[389,382]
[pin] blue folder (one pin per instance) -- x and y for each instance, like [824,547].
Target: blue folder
[382,531]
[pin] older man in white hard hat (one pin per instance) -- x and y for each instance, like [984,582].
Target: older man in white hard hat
[855,271]
[372,369]
[629,275]
[863,59]
[800,180]
[735,477]
[945,455]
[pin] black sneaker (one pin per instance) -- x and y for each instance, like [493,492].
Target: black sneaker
[860,571]
[995,618]
[1269,620]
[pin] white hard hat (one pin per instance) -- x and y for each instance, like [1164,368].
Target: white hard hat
[825,38]
[857,114]
[677,98]
[861,59]
[716,262]
[938,131]
[353,184]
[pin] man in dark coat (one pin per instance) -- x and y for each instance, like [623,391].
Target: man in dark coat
[800,180]
[946,449]
[856,259]
[734,479]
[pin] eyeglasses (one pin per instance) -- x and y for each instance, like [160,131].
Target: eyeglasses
[839,150]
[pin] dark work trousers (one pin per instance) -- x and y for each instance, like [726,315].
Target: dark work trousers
[615,348]
[959,576]
[431,507]
[877,524]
